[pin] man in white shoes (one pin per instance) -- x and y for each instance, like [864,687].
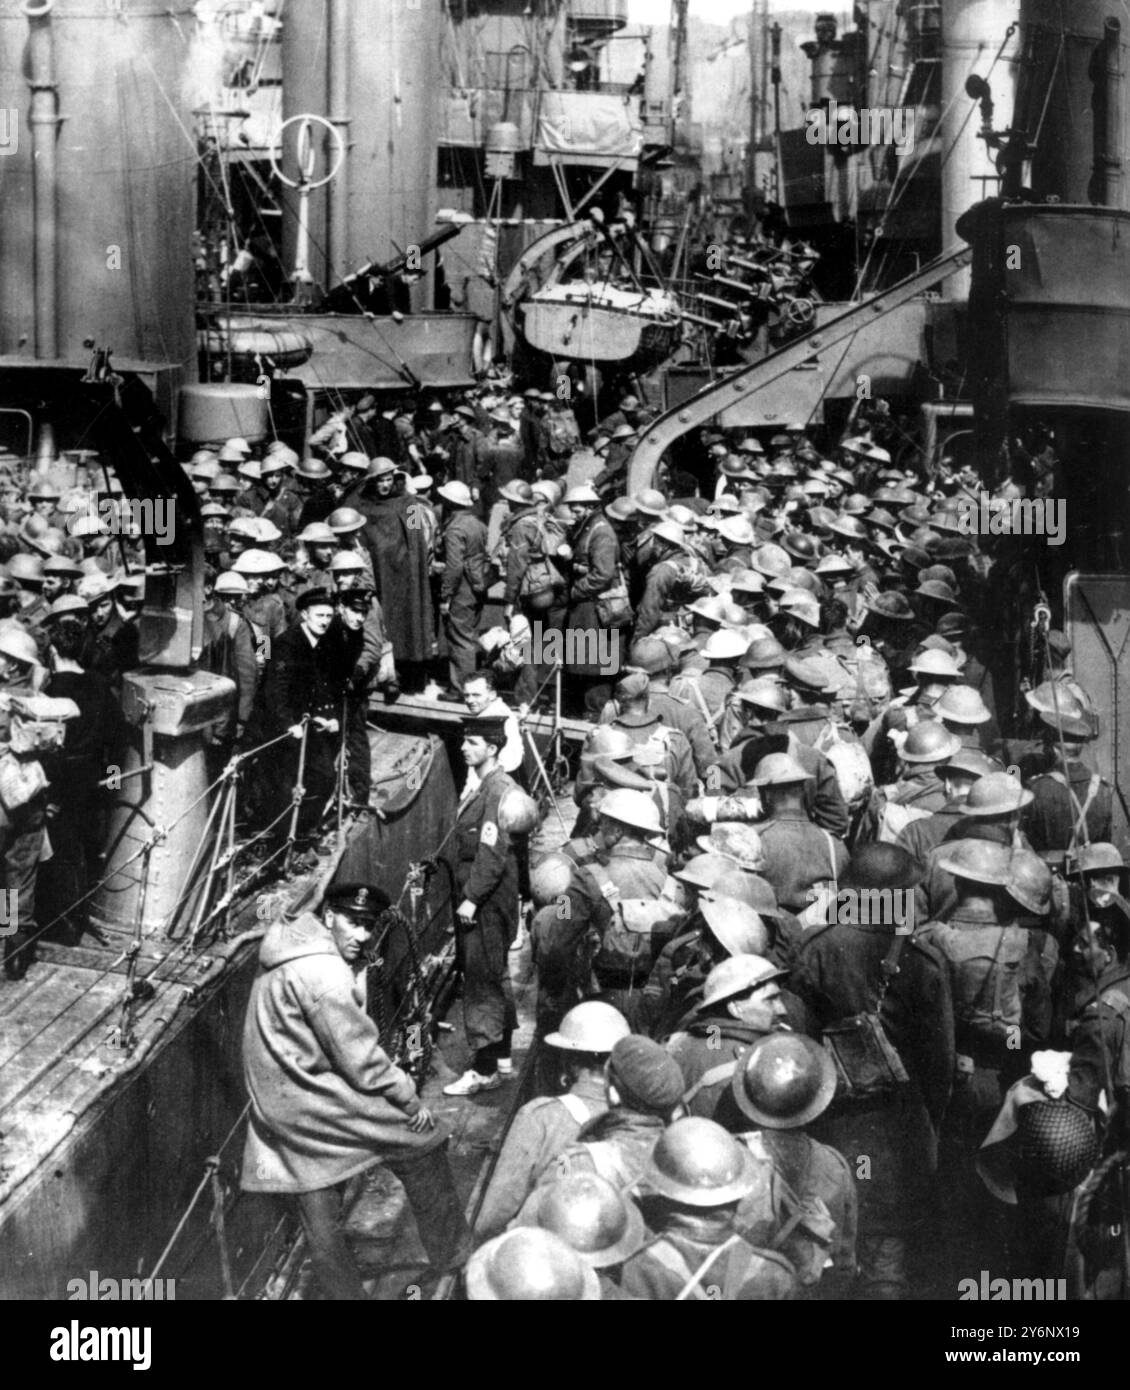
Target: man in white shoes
[486,875]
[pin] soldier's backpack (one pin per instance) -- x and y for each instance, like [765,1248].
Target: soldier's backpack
[542,578]
[985,965]
[637,930]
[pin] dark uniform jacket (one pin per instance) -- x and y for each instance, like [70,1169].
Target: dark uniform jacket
[486,870]
[839,975]
[464,537]
[300,681]
[1050,819]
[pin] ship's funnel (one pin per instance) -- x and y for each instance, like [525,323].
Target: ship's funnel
[97,181]
[373,69]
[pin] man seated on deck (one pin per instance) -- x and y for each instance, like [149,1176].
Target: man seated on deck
[327,1103]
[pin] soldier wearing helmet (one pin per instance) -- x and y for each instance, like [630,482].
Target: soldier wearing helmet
[700,1175]
[464,580]
[806,1204]
[543,1127]
[886,1110]
[758,705]
[741,1002]
[991,812]
[711,689]
[957,776]
[228,650]
[25,799]
[666,581]
[798,855]
[642,1088]
[919,791]
[653,657]
[1001,961]
[933,673]
[1072,803]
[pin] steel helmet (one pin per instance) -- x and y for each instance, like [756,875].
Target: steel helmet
[833,564]
[258,562]
[550,878]
[264,531]
[800,604]
[347,562]
[1100,857]
[747,582]
[651,502]
[980,861]
[593,1027]
[457,493]
[1057,1146]
[26,569]
[517,812]
[67,604]
[18,644]
[314,470]
[737,976]
[382,468]
[607,742]
[704,870]
[244,526]
[969,762]
[737,530]
[620,509]
[530,1265]
[276,463]
[594,1218]
[1030,882]
[929,742]
[518,492]
[345,521]
[1064,703]
[671,532]
[227,482]
[939,665]
[748,888]
[850,527]
[62,565]
[771,560]
[317,533]
[696,1163]
[784,1080]
[765,654]
[355,461]
[231,583]
[779,770]
[997,794]
[651,655]
[961,704]
[582,495]
[635,809]
[737,841]
[738,927]
[96,587]
[548,490]
[276,449]
[724,645]
[803,547]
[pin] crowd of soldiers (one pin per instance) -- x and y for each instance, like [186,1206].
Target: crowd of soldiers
[833,970]
[757,1088]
